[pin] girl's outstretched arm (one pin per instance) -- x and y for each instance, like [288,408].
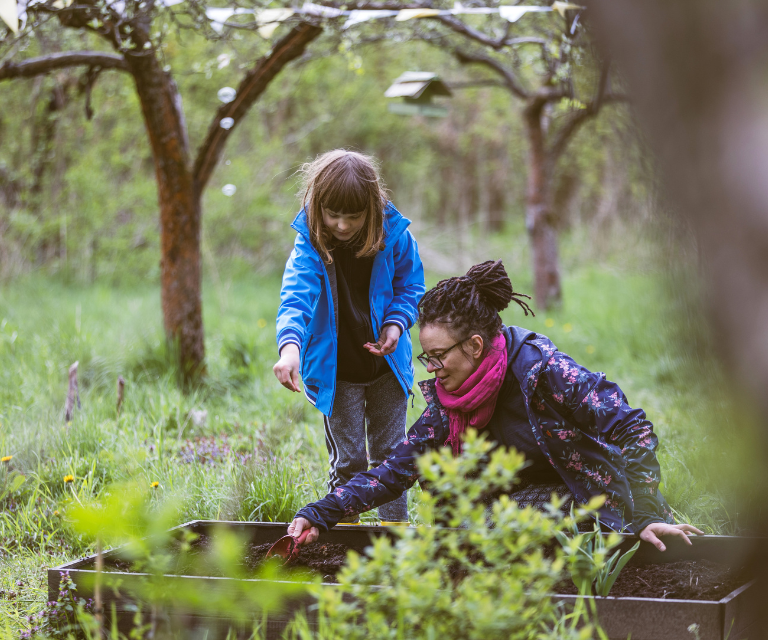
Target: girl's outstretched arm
[407,285]
[302,284]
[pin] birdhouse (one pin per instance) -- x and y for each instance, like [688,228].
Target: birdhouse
[417,88]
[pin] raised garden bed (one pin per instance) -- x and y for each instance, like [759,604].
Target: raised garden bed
[659,594]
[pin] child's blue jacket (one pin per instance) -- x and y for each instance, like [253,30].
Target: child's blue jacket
[582,422]
[306,316]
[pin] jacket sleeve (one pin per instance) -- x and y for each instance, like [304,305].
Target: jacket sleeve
[302,284]
[408,284]
[378,486]
[600,408]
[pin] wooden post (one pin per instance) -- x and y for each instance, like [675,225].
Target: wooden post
[73,394]
[120,393]
[97,603]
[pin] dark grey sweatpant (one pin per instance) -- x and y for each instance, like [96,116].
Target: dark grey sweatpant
[382,403]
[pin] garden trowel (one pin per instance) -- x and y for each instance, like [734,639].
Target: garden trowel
[288,547]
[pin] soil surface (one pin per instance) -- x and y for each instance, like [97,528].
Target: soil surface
[318,558]
[689,580]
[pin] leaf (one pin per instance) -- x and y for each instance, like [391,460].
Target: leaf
[17,482]
[605,588]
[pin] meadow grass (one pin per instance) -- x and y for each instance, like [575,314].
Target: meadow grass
[241,447]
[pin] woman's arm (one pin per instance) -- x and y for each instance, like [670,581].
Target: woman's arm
[600,408]
[378,486]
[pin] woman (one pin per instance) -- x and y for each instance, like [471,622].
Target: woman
[574,426]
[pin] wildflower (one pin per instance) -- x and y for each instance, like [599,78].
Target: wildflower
[56,513]
[590,348]
[6,458]
[262,323]
[549,322]
[567,327]
[155,484]
[69,478]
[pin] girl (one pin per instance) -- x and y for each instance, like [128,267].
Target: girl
[576,428]
[350,293]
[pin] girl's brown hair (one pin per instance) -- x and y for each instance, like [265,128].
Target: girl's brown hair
[344,182]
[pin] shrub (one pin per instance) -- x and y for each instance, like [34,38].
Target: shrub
[490,575]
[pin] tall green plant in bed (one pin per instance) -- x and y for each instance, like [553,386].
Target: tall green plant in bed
[486,574]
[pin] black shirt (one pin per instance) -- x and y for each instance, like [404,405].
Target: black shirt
[510,427]
[353,281]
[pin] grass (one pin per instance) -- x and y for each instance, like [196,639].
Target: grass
[241,447]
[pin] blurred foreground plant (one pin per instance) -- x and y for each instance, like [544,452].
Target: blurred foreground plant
[158,555]
[489,576]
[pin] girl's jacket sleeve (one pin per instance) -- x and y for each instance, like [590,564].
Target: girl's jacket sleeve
[407,285]
[380,485]
[600,409]
[302,284]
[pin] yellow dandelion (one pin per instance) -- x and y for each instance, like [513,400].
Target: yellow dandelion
[155,484]
[6,458]
[567,327]
[69,478]
[590,349]
[549,322]
[262,323]
[56,512]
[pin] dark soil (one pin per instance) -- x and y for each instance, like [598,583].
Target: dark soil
[318,558]
[690,580]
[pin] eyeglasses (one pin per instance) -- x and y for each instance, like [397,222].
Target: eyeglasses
[436,361]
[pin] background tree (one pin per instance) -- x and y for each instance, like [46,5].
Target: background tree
[135,30]
[553,73]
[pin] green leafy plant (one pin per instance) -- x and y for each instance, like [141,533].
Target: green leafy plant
[486,575]
[592,571]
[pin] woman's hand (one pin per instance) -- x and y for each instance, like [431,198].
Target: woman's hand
[387,343]
[300,524]
[287,367]
[655,530]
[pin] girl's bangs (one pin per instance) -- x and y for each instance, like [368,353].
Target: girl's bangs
[347,193]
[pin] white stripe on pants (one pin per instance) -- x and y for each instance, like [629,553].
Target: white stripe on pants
[382,404]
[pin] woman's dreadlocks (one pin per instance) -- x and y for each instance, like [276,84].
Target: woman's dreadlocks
[470,304]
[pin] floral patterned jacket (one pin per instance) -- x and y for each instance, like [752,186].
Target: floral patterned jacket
[581,421]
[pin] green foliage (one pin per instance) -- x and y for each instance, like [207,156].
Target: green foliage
[488,578]
[592,571]
[260,453]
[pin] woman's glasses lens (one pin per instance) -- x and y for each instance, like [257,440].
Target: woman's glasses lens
[433,360]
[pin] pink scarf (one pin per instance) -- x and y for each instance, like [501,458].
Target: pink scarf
[473,403]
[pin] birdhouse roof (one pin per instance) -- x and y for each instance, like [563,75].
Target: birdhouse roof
[415,84]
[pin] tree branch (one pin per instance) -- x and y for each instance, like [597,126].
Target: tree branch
[46,64]
[565,133]
[459,27]
[511,81]
[252,86]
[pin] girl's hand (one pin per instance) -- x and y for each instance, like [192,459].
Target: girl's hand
[387,343]
[287,367]
[656,529]
[300,524]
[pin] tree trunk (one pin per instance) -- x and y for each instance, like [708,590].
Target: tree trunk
[539,214]
[180,264]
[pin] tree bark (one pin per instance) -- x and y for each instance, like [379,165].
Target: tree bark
[180,219]
[539,216]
